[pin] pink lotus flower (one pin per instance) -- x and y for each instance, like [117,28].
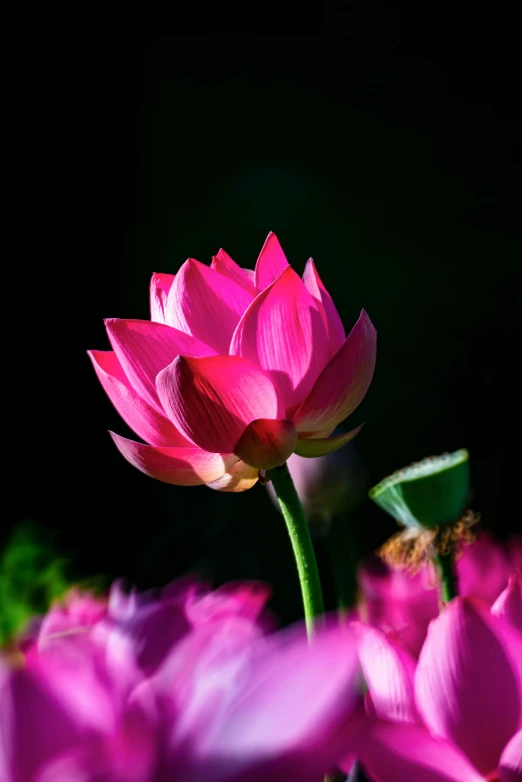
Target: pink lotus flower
[397,602]
[456,714]
[148,624]
[235,371]
[185,685]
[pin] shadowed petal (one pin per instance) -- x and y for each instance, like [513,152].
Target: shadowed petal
[179,466]
[212,400]
[510,766]
[331,317]
[223,263]
[311,446]
[151,426]
[160,285]
[34,724]
[403,753]
[144,348]
[468,683]
[266,443]
[389,673]
[283,332]
[239,477]
[206,304]
[509,604]
[270,263]
[344,381]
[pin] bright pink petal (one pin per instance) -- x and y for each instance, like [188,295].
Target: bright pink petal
[160,285]
[151,426]
[510,766]
[509,604]
[239,477]
[266,443]
[206,304]
[283,332]
[250,275]
[331,317]
[179,466]
[389,673]
[344,381]
[406,753]
[223,263]
[270,263]
[212,400]
[144,349]
[311,447]
[469,681]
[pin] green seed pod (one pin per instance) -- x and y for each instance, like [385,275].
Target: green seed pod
[430,493]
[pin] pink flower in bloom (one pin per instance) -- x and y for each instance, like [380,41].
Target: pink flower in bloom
[220,701]
[397,602]
[235,371]
[456,714]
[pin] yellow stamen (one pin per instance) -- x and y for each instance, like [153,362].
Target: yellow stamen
[411,548]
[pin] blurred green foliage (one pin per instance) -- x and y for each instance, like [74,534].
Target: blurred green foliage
[33,573]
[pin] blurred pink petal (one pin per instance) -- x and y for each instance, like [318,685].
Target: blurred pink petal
[34,725]
[509,604]
[160,285]
[239,477]
[283,332]
[407,753]
[468,683]
[254,718]
[212,400]
[266,443]
[206,304]
[510,766]
[331,317]
[145,420]
[144,348]
[179,466]
[311,446]
[398,603]
[389,674]
[484,568]
[223,263]
[77,611]
[241,598]
[343,383]
[126,755]
[270,263]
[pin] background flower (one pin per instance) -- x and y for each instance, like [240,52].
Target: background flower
[453,715]
[187,683]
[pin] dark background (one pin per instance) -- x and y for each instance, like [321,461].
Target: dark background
[379,140]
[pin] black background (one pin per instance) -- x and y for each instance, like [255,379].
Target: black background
[378,139]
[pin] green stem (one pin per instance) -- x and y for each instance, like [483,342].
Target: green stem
[448,578]
[301,543]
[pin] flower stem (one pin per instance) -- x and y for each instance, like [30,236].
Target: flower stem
[448,578]
[301,543]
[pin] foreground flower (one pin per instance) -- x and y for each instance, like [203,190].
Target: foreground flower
[185,686]
[236,370]
[456,715]
[404,605]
